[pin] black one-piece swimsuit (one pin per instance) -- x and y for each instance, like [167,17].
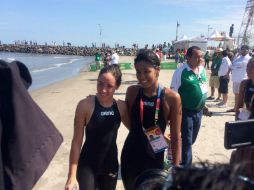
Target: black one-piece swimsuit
[98,163]
[137,154]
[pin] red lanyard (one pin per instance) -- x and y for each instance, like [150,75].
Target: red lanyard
[157,108]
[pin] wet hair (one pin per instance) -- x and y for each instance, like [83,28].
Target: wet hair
[190,51]
[147,56]
[114,70]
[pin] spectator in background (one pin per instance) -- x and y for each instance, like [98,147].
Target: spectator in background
[107,59]
[231,56]
[98,59]
[214,81]
[223,73]
[158,53]
[207,59]
[177,56]
[114,58]
[231,30]
[239,73]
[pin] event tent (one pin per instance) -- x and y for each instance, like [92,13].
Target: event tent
[215,36]
[228,42]
[185,42]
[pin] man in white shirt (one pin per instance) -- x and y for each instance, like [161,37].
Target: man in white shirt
[114,58]
[224,78]
[239,73]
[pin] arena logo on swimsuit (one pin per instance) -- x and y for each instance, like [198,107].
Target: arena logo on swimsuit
[105,113]
[151,104]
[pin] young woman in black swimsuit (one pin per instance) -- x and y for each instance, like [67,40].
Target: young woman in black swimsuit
[151,108]
[96,165]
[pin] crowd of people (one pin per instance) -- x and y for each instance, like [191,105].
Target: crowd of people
[147,110]
[110,57]
[151,107]
[225,65]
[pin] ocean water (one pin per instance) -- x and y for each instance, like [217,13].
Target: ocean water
[48,69]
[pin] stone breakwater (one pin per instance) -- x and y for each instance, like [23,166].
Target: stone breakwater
[64,50]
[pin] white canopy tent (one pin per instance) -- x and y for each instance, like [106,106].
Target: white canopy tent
[185,42]
[215,36]
[183,38]
[228,42]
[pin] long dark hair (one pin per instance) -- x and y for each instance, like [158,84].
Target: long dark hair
[114,70]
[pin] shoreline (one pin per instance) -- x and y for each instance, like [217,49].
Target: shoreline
[59,102]
[84,68]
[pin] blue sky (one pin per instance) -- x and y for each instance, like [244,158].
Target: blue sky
[121,21]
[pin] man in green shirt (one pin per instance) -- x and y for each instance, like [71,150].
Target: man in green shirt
[190,82]
[98,59]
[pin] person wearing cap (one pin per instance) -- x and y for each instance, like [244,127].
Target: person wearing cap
[214,81]
[190,82]
[238,69]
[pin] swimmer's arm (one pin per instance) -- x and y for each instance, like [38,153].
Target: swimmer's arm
[175,118]
[124,113]
[79,123]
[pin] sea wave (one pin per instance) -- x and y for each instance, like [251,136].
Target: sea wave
[42,69]
[60,64]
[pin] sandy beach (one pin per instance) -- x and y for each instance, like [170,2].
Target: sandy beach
[59,102]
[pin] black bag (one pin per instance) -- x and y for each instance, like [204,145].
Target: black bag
[239,134]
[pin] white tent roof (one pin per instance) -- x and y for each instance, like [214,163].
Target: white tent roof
[183,38]
[215,36]
[227,37]
[198,39]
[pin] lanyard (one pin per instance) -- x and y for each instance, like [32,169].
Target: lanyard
[157,108]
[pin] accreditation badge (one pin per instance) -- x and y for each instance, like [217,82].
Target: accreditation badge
[156,139]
